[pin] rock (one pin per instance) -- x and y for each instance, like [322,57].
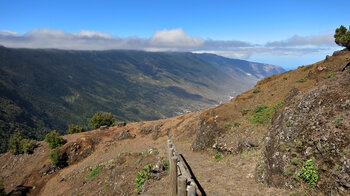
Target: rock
[321,68]
[146,130]
[121,124]
[159,166]
[104,127]
[126,135]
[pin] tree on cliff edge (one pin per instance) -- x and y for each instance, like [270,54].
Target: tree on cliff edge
[342,36]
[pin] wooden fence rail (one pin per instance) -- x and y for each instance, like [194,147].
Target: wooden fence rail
[181,180]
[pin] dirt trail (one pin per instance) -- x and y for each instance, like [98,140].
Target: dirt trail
[233,175]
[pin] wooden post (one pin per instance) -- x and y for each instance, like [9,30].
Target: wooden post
[182,186]
[191,191]
[171,153]
[173,175]
[169,143]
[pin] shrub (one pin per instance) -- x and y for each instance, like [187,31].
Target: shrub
[244,112]
[218,157]
[227,125]
[295,161]
[54,140]
[76,129]
[308,173]
[257,90]
[338,123]
[100,119]
[28,146]
[289,170]
[17,145]
[140,179]
[95,172]
[342,36]
[14,145]
[236,124]
[330,75]
[58,158]
[288,123]
[278,105]
[2,189]
[303,79]
[298,143]
[262,114]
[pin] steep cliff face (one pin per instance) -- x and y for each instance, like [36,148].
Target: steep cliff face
[314,125]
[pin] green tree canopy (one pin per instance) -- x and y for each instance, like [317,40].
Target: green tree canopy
[54,139]
[342,36]
[76,129]
[100,119]
[15,146]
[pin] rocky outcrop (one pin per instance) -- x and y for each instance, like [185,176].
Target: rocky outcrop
[206,133]
[315,126]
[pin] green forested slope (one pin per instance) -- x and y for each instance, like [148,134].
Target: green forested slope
[45,89]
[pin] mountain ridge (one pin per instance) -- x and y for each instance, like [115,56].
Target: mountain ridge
[53,88]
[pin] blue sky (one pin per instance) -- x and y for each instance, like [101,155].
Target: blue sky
[286,33]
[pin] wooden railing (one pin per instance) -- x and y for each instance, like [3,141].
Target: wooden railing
[182,180]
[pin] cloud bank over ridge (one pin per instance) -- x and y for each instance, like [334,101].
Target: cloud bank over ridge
[163,40]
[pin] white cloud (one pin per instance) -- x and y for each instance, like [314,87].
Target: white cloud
[90,34]
[175,37]
[304,41]
[164,40]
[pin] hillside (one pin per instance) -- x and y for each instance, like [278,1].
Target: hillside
[313,96]
[46,89]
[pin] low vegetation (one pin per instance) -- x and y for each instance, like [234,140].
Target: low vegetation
[100,119]
[263,113]
[54,139]
[2,189]
[218,157]
[95,172]
[76,129]
[308,173]
[301,80]
[257,90]
[141,178]
[18,145]
[330,75]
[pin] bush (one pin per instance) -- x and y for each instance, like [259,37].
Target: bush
[140,179]
[95,172]
[100,119]
[257,90]
[236,124]
[227,125]
[28,146]
[76,129]
[17,145]
[301,80]
[54,140]
[218,157]
[330,75]
[308,173]
[2,189]
[263,113]
[58,158]
[342,36]
[14,145]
